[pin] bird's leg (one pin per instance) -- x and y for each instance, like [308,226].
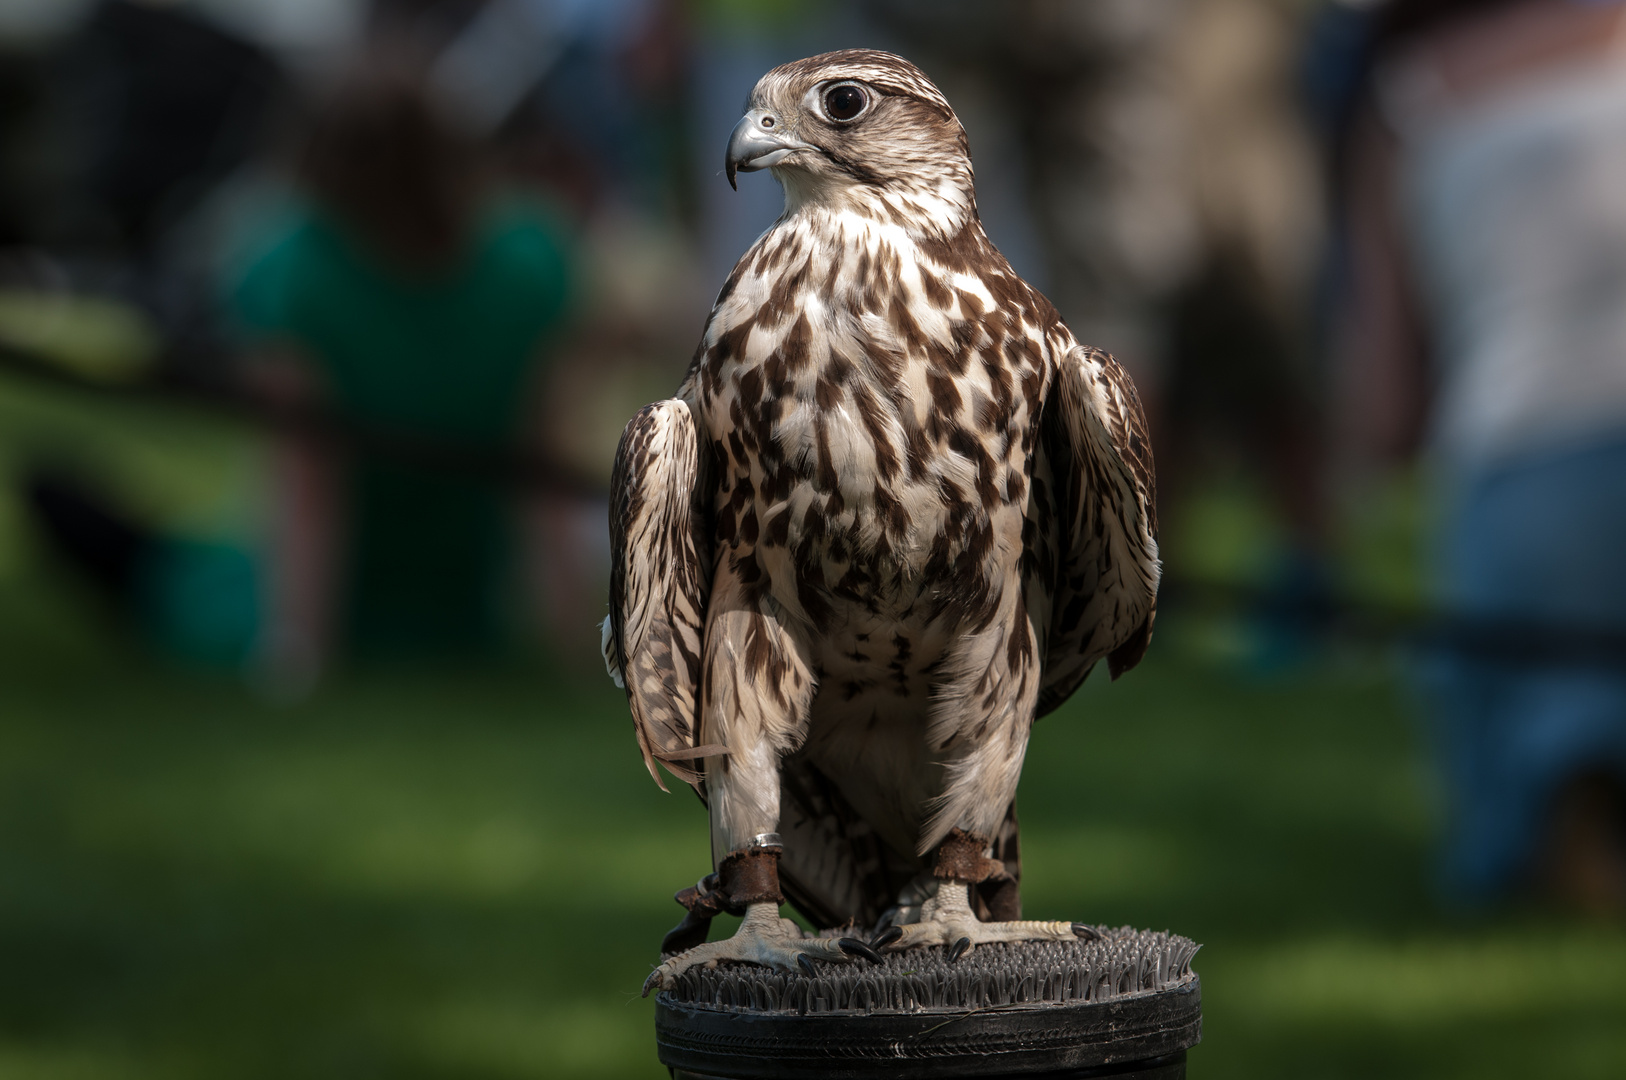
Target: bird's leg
[947,919]
[979,730]
[759,687]
[749,879]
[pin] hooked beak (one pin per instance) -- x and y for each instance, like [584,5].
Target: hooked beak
[759,141]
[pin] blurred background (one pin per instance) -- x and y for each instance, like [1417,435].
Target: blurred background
[319,322]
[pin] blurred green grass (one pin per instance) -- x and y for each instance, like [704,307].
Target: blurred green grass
[466,872]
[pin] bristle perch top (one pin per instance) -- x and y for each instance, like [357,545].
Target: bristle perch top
[1028,1009]
[1125,961]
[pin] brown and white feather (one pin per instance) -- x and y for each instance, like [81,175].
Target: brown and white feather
[895,512]
[659,582]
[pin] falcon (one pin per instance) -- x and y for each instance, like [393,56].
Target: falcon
[894,513]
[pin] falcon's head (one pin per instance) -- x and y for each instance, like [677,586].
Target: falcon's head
[850,122]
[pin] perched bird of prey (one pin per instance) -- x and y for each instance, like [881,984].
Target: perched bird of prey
[894,513]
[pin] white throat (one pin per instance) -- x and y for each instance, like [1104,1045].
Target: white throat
[924,209]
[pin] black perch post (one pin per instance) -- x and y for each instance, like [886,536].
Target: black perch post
[1126,1006]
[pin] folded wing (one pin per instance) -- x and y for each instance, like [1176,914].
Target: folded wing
[1104,491]
[660,576]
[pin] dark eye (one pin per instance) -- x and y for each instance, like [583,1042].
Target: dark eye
[844,102]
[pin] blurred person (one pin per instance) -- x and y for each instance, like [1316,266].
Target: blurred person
[587,100]
[1487,323]
[407,294]
[1239,386]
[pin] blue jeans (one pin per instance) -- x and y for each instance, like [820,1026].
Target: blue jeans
[1542,539]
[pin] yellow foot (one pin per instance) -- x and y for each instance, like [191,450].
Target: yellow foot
[763,938]
[947,919]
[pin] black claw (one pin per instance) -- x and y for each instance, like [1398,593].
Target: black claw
[886,937]
[1088,933]
[651,982]
[805,962]
[853,947]
[958,949]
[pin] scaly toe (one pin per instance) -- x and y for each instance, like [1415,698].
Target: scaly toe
[777,945]
[929,932]
[947,920]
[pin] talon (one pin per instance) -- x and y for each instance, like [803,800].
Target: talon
[959,949]
[650,983]
[1088,933]
[854,947]
[805,962]
[886,937]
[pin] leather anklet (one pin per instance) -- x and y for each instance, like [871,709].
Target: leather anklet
[960,858]
[750,876]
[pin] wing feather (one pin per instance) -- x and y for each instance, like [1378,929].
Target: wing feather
[1104,597]
[660,577]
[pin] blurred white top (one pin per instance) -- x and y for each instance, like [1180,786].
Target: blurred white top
[1514,205]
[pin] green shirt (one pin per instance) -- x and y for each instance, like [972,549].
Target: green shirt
[451,356]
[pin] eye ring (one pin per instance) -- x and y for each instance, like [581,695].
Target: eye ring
[844,102]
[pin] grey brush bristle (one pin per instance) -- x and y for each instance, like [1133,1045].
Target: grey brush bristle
[1125,961]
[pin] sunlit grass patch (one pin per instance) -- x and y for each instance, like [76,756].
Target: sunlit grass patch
[1448,978]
